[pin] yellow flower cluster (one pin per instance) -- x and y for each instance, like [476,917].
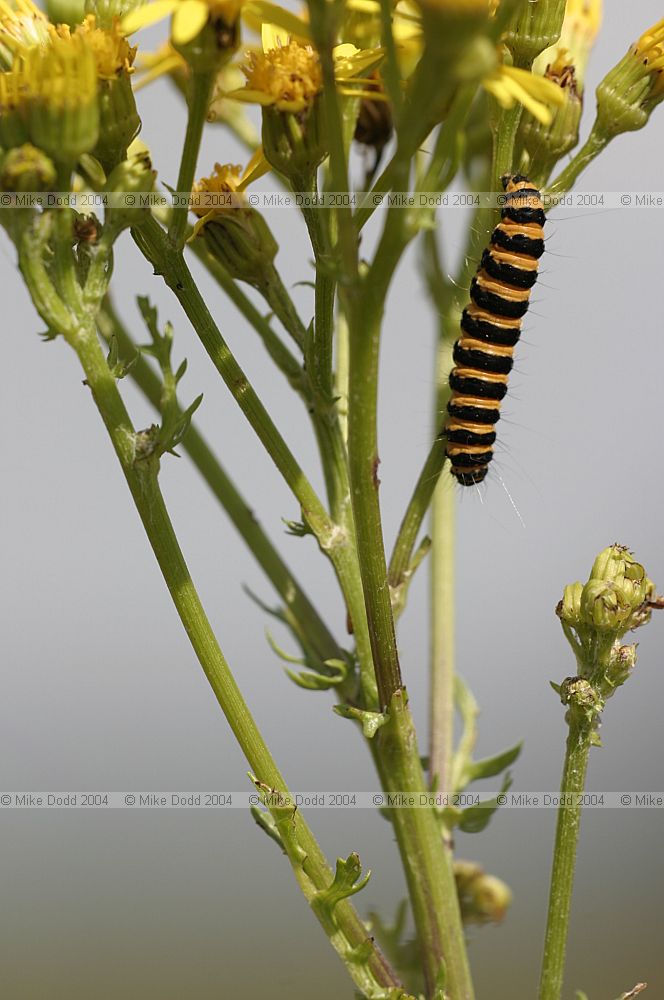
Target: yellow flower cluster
[287,76]
[650,50]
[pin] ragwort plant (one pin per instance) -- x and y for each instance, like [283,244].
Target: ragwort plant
[475,90]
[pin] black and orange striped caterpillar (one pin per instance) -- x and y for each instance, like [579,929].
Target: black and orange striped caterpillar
[490,329]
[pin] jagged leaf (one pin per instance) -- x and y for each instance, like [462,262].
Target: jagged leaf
[346,882]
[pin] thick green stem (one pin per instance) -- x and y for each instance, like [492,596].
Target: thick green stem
[427,865]
[564,858]
[503,145]
[307,623]
[199,102]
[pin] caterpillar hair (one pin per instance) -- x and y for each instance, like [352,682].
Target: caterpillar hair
[490,330]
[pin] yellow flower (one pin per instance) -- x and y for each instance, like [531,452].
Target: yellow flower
[650,51]
[189,16]
[21,26]
[54,88]
[112,52]
[287,74]
[226,179]
[510,86]
[583,19]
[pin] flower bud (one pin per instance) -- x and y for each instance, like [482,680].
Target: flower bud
[616,564]
[294,144]
[69,12]
[535,28]
[628,94]
[605,606]
[27,168]
[235,233]
[621,665]
[483,898]
[59,97]
[546,144]
[133,177]
[569,609]
[577,692]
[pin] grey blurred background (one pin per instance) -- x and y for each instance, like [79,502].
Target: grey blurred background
[102,692]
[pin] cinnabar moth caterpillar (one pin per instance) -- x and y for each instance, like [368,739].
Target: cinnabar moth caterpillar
[490,329]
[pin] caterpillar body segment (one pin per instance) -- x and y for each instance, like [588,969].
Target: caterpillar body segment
[490,330]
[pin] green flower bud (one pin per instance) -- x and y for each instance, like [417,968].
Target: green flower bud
[242,241]
[536,27]
[621,665]
[483,898]
[569,609]
[630,92]
[107,11]
[27,168]
[294,142]
[579,693]
[13,126]
[132,178]
[605,606]
[547,144]
[119,123]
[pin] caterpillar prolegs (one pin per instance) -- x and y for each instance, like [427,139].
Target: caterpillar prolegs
[490,329]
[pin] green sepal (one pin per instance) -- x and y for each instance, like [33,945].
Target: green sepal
[346,883]
[267,825]
[370,721]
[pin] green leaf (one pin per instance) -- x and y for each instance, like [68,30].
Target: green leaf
[474,819]
[267,825]
[314,681]
[370,721]
[489,767]
[346,883]
[297,528]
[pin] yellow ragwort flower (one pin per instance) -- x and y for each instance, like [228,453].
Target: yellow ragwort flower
[21,26]
[583,19]
[510,86]
[287,73]
[112,52]
[189,17]
[650,51]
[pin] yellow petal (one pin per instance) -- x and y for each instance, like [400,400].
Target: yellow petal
[257,167]
[536,108]
[256,13]
[273,37]
[537,86]
[250,96]
[141,17]
[189,20]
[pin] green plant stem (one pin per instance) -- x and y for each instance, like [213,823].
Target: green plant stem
[307,623]
[153,242]
[332,538]
[391,70]
[503,145]
[593,146]
[427,865]
[198,104]
[443,567]
[310,866]
[564,857]
[402,554]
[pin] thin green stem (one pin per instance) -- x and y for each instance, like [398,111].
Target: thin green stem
[391,71]
[305,855]
[402,554]
[503,144]
[427,865]
[443,542]
[596,142]
[154,244]
[306,621]
[564,857]
[199,102]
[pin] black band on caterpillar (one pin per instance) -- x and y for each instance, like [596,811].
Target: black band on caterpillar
[490,329]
